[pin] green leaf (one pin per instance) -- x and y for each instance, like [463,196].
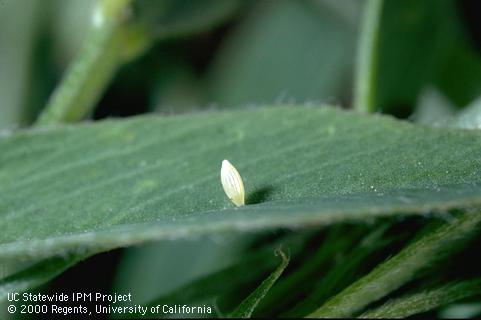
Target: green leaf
[180,18]
[293,286]
[403,267]
[174,264]
[37,274]
[428,39]
[19,21]
[462,61]
[283,51]
[426,300]
[245,309]
[345,271]
[121,182]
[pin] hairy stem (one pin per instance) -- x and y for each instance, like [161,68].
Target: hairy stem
[106,47]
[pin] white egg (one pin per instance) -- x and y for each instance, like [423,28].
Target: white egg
[232,183]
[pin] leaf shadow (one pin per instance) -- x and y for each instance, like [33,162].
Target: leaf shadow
[260,195]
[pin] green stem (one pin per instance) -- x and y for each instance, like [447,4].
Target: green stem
[366,65]
[249,304]
[93,68]
[400,269]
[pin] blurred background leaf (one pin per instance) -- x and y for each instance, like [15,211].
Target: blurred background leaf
[19,23]
[422,43]
[155,269]
[285,51]
[433,108]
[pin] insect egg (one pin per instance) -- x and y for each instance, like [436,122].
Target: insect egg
[232,183]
